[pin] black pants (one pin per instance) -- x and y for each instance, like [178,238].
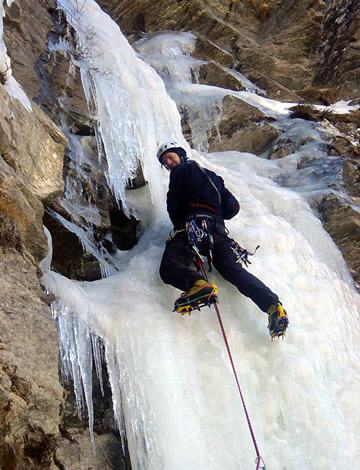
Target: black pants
[177,267]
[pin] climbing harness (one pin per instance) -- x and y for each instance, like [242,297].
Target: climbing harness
[201,205]
[197,235]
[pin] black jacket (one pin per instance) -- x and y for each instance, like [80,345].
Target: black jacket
[191,192]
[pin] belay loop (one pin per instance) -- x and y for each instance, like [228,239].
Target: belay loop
[201,241]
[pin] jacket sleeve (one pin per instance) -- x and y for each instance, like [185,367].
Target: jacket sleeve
[229,205]
[176,205]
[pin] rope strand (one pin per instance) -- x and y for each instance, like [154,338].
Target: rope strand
[259,459]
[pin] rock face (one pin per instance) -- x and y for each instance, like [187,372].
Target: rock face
[32,149]
[31,162]
[339,66]
[283,46]
[30,391]
[31,145]
[303,52]
[242,127]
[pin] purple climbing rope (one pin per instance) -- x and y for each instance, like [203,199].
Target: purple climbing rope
[258,459]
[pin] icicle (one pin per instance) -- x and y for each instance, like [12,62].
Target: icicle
[69,359]
[75,340]
[97,351]
[114,377]
[129,123]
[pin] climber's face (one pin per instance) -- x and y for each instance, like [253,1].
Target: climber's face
[170,160]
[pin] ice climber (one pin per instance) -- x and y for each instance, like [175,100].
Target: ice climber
[197,197]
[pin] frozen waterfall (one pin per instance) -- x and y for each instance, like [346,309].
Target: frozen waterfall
[174,394]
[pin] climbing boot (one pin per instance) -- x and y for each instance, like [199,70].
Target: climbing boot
[278,321]
[201,294]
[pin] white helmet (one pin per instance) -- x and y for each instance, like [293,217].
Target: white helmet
[174,147]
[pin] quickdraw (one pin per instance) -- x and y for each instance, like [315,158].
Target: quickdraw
[202,242]
[241,253]
[173,234]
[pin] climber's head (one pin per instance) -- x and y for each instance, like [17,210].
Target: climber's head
[170,155]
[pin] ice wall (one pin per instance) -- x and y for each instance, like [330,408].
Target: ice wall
[173,388]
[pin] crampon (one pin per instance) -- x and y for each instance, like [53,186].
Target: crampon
[187,303]
[278,322]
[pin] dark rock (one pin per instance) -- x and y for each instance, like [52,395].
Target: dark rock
[342,222]
[74,447]
[340,48]
[30,392]
[242,127]
[325,96]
